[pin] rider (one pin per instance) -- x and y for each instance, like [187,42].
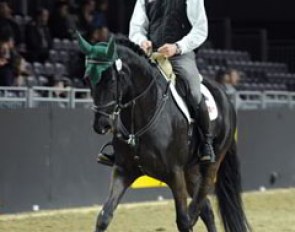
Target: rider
[175,28]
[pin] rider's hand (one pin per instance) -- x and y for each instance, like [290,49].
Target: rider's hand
[168,50]
[147,46]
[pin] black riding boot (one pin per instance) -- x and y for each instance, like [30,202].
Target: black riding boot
[203,121]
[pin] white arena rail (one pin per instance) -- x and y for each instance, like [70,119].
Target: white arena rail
[13,97]
[25,97]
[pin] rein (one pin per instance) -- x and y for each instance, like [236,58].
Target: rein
[132,135]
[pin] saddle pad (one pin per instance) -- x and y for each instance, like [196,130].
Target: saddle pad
[210,102]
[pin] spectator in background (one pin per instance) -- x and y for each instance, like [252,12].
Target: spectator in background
[99,17]
[6,71]
[222,78]
[7,23]
[38,38]
[97,34]
[61,84]
[229,79]
[234,77]
[12,65]
[85,17]
[62,23]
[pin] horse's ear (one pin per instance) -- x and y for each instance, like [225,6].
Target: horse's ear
[85,47]
[100,50]
[111,48]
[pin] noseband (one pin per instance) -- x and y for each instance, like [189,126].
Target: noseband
[98,109]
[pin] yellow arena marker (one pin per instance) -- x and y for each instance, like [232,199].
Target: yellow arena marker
[147,182]
[236,135]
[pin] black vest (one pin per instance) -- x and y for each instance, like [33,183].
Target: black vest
[168,21]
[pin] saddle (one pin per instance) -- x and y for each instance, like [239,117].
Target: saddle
[165,67]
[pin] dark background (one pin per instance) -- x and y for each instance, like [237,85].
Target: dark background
[48,158]
[250,10]
[275,15]
[265,28]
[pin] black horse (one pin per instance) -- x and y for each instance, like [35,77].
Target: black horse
[151,137]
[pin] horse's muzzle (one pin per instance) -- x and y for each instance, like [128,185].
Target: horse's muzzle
[102,128]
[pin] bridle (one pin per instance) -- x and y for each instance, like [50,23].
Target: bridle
[119,106]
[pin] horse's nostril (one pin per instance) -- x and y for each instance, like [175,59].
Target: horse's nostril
[108,127]
[101,127]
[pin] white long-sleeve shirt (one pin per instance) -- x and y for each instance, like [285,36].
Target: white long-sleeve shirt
[196,15]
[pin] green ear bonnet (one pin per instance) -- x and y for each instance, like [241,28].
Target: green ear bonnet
[99,57]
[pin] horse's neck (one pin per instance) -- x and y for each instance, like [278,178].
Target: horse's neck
[146,105]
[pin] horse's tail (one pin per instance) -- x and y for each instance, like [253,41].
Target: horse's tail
[228,191]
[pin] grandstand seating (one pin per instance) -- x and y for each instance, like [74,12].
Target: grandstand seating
[256,76]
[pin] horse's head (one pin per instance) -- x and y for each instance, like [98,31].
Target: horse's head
[103,70]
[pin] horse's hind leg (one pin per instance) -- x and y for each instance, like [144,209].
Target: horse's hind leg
[178,187]
[193,180]
[120,182]
[207,215]
[200,180]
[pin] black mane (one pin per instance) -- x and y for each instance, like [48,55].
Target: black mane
[133,54]
[124,41]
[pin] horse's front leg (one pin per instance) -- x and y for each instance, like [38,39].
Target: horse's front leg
[120,182]
[178,187]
